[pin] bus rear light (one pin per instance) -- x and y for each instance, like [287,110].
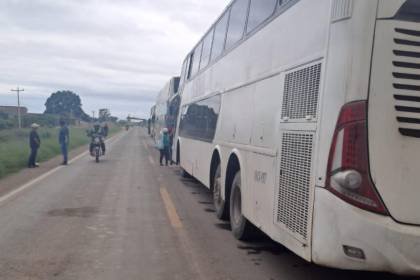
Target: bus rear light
[350,179]
[348,174]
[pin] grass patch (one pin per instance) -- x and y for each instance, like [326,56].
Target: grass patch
[14,146]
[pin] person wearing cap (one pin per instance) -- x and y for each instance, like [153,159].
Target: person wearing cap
[34,144]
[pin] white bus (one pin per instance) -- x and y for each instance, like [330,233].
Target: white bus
[303,117]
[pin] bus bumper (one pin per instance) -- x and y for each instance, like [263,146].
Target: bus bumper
[386,245]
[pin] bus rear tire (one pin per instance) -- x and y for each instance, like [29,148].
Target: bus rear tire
[220,206]
[242,229]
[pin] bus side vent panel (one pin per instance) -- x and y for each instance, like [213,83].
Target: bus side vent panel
[301,92]
[341,9]
[294,184]
[406,80]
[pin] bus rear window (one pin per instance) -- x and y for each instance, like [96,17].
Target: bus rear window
[410,11]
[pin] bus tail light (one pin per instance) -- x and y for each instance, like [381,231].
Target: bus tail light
[348,174]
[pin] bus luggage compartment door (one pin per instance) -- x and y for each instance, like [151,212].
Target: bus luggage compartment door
[296,152]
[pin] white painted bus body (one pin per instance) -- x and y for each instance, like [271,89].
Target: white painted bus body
[334,45]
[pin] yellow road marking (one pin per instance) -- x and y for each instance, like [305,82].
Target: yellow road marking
[170,209]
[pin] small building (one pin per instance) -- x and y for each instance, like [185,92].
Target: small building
[13,110]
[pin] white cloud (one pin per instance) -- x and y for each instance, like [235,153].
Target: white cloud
[121,51]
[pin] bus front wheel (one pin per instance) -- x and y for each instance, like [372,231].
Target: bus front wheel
[242,229]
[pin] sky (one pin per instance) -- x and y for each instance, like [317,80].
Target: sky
[114,54]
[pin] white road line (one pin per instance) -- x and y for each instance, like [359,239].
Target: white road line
[79,156]
[27,185]
[45,175]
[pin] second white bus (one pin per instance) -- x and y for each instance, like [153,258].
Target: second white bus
[166,108]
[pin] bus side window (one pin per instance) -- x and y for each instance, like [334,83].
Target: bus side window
[284,2]
[195,59]
[199,120]
[237,21]
[189,67]
[207,42]
[183,72]
[260,11]
[219,36]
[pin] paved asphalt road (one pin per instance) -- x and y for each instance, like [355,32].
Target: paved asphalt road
[128,218]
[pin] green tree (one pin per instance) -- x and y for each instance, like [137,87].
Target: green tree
[65,103]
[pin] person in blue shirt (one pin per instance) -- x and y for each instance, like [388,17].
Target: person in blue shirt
[63,139]
[34,144]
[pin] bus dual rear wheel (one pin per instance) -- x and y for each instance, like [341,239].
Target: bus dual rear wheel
[242,229]
[222,211]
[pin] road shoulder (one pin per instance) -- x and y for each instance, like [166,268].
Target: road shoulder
[15,180]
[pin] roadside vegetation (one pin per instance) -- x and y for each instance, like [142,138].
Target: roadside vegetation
[14,146]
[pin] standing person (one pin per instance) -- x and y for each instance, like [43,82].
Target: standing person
[63,139]
[34,144]
[164,146]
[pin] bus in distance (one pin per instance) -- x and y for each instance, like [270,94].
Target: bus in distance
[166,110]
[303,118]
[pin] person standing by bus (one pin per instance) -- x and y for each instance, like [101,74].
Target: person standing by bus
[64,139]
[164,146]
[34,144]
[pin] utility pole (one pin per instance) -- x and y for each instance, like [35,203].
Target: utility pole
[93,115]
[18,91]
